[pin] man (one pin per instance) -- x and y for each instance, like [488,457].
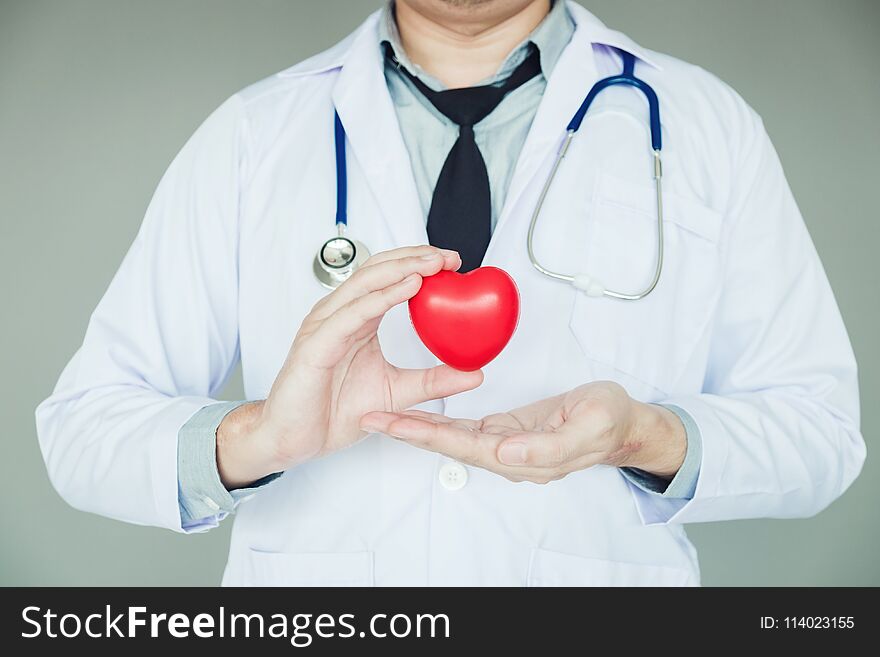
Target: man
[728,392]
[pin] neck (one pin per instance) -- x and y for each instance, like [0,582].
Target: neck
[461,45]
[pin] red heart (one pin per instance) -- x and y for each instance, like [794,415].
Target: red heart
[465,320]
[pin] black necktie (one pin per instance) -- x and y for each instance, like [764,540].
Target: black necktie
[460,217]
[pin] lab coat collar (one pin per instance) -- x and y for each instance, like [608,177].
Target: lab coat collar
[598,33]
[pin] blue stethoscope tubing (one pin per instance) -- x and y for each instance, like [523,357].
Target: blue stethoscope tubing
[341,173]
[625,78]
[590,285]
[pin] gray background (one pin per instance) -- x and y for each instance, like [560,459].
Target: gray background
[97,96]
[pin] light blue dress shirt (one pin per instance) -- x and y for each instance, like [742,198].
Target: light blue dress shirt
[428,136]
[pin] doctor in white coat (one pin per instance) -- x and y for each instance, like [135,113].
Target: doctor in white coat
[574,458]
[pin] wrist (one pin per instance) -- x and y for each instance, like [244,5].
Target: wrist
[245,451]
[658,438]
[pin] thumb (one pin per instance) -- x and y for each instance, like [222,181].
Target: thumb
[411,387]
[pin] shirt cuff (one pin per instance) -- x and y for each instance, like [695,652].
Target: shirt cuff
[201,496]
[684,484]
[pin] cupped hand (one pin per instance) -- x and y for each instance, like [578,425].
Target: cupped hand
[596,423]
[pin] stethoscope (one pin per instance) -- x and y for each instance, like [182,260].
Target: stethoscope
[339,257]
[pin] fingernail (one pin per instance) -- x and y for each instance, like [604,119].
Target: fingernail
[513,453]
[431,256]
[448,252]
[371,430]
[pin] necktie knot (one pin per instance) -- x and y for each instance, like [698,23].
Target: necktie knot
[470,105]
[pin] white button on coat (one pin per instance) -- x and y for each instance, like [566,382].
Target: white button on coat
[453,476]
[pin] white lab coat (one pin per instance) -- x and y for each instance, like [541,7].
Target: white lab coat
[743,332]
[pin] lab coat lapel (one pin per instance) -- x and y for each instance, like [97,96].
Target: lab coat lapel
[361,98]
[575,72]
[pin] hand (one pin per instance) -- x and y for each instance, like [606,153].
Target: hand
[335,372]
[594,424]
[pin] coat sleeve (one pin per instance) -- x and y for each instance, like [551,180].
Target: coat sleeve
[779,410]
[160,343]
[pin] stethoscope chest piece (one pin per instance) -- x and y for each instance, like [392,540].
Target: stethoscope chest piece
[337,259]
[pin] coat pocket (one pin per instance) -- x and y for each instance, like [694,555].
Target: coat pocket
[547,568]
[651,340]
[309,569]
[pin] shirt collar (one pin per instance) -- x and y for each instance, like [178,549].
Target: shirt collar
[550,38]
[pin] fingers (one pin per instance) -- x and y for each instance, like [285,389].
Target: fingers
[538,450]
[449,255]
[435,417]
[411,387]
[348,321]
[457,439]
[355,308]
[386,269]
[519,456]
[377,418]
